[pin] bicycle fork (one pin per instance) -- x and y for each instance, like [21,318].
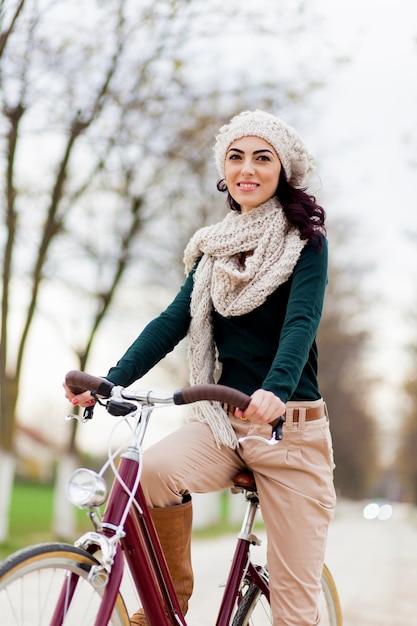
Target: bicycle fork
[242,567]
[106,608]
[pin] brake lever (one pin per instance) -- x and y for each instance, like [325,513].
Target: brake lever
[277,429]
[87,413]
[276,435]
[85,417]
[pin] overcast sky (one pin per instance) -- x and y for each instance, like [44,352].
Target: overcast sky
[369,122]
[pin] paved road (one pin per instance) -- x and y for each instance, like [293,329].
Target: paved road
[375,565]
[373,562]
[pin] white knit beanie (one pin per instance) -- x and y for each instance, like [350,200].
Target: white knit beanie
[293,154]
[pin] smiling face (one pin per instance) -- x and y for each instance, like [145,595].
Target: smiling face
[252,170]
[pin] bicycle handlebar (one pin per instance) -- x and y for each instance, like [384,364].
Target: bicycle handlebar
[79,382]
[221,393]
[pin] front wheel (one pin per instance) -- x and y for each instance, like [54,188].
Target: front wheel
[254,608]
[32,580]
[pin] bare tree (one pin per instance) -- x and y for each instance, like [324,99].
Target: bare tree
[6,27]
[404,467]
[345,383]
[87,119]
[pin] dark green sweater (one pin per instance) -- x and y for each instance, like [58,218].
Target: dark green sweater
[272,347]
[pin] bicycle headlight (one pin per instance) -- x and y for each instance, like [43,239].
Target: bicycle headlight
[86,489]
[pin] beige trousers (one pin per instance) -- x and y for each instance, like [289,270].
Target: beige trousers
[295,485]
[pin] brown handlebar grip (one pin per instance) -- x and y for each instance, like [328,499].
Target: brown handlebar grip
[78,382]
[219,393]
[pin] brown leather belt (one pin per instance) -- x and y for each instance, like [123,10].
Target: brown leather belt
[312,413]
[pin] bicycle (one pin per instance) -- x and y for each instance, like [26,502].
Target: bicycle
[75,585]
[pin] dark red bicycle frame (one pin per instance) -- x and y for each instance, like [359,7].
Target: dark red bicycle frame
[142,551]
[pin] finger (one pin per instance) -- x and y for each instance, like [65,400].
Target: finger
[263,407]
[256,408]
[83,399]
[68,394]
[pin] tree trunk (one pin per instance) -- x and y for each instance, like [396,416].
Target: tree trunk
[7,452]
[7,472]
[64,515]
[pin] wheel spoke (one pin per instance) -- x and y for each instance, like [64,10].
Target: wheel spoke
[31,582]
[254,608]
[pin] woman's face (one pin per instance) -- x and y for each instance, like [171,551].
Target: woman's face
[252,170]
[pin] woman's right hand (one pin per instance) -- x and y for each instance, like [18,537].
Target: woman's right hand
[84,399]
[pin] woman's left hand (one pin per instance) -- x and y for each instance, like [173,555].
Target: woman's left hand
[264,408]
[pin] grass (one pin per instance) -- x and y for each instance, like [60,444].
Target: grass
[31,507]
[30,518]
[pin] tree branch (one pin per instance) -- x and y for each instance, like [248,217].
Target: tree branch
[4,35]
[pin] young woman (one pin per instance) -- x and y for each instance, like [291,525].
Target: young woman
[251,306]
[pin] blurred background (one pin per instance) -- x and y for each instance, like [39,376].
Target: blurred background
[108,111]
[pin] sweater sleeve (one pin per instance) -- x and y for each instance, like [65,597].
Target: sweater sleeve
[158,338]
[302,318]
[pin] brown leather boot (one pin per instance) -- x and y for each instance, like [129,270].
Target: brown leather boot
[138,619]
[173,525]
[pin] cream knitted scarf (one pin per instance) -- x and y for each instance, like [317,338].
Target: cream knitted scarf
[221,281]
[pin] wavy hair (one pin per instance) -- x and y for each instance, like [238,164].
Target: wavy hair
[300,208]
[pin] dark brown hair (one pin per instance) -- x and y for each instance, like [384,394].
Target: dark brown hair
[300,208]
